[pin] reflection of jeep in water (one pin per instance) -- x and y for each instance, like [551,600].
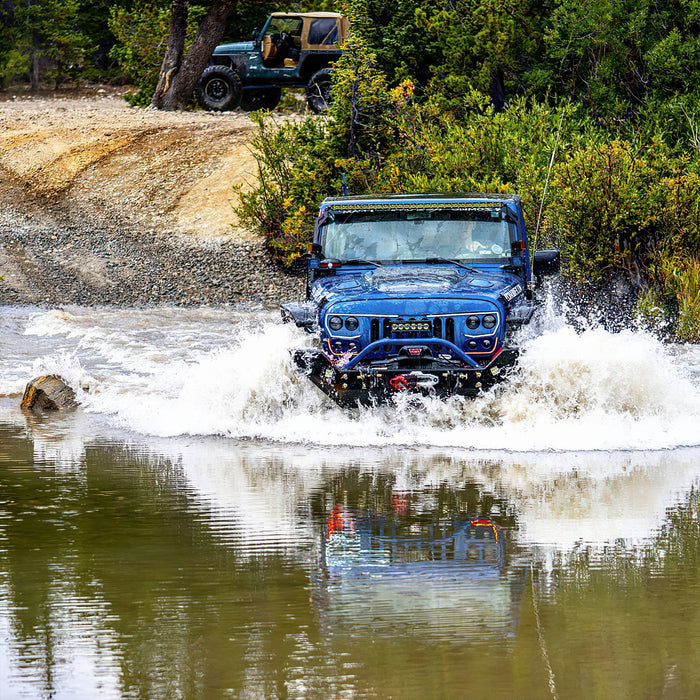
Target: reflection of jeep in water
[416,293]
[293,50]
[425,572]
[371,542]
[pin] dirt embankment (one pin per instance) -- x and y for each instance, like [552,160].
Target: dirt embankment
[101,203]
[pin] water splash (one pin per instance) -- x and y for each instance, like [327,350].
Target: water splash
[222,372]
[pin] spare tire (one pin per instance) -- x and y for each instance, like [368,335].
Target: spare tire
[318,90]
[219,89]
[267,98]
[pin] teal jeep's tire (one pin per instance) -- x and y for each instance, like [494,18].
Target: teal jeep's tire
[268,98]
[318,91]
[219,89]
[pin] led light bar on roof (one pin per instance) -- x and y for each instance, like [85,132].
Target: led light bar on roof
[349,208]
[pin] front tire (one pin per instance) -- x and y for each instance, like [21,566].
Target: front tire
[318,91]
[219,89]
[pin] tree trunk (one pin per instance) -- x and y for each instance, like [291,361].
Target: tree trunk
[174,51]
[498,95]
[184,77]
[34,77]
[48,393]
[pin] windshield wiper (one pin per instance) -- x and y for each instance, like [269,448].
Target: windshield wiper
[360,261]
[435,261]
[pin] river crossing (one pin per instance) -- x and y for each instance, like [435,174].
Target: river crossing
[207,524]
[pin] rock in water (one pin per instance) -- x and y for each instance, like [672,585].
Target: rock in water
[48,393]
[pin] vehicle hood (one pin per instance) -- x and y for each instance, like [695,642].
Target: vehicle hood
[415,282]
[235,47]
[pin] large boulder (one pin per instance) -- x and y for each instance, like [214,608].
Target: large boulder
[48,393]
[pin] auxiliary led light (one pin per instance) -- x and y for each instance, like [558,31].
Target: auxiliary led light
[412,326]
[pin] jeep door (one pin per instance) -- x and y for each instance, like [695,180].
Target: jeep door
[277,55]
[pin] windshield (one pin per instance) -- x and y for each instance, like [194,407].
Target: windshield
[409,236]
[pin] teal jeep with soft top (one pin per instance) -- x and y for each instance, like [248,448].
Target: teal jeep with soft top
[294,49]
[416,293]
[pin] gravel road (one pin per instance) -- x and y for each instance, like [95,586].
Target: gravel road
[103,204]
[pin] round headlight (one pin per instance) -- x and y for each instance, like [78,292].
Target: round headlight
[351,323]
[335,323]
[472,322]
[489,321]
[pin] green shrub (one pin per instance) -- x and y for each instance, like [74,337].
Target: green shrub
[611,204]
[142,34]
[682,284]
[13,65]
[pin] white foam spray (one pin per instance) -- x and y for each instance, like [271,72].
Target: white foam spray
[218,372]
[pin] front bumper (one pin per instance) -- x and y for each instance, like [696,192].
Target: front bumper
[365,386]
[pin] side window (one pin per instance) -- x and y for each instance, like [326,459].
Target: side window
[291,25]
[323,31]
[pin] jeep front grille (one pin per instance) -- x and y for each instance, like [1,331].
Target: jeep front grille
[380,328]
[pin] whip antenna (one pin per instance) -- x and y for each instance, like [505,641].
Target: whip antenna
[546,181]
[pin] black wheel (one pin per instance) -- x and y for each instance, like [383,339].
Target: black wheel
[218,89]
[261,99]
[318,90]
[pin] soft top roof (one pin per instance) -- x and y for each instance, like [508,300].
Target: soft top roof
[337,15]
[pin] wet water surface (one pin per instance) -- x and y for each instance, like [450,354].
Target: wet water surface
[207,525]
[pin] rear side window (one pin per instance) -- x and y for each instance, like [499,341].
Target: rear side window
[323,31]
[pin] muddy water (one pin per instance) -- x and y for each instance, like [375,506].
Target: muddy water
[207,525]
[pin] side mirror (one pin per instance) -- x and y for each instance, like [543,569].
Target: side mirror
[546,262]
[315,250]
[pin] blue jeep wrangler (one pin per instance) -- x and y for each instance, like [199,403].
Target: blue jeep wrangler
[416,293]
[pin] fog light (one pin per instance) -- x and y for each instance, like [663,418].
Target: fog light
[472,344]
[486,344]
[337,346]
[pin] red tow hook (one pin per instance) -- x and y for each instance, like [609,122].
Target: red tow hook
[403,382]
